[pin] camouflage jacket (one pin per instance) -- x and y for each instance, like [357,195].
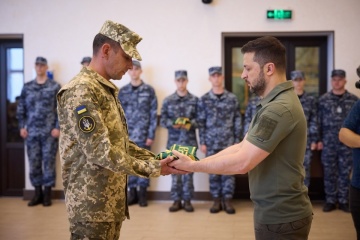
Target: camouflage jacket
[140,106]
[250,112]
[95,150]
[332,111]
[219,120]
[174,107]
[309,106]
[36,110]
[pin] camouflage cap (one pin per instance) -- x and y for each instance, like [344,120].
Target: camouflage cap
[41,60]
[180,74]
[214,70]
[338,72]
[297,75]
[136,63]
[121,34]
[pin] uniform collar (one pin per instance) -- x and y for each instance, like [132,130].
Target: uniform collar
[184,97]
[213,95]
[281,87]
[99,78]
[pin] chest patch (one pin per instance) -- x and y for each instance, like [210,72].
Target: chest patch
[86,124]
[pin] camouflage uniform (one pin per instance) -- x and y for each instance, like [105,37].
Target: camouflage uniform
[36,112]
[140,106]
[173,107]
[335,157]
[309,106]
[96,153]
[219,123]
[250,112]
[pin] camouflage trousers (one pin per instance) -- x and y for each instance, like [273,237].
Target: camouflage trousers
[222,186]
[95,230]
[307,162]
[182,187]
[337,162]
[41,152]
[135,181]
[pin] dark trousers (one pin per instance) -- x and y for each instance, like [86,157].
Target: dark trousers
[297,230]
[355,208]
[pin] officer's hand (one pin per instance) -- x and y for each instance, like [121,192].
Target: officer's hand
[183,162]
[166,169]
[55,133]
[313,146]
[23,133]
[148,142]
[320,146]
[177,126]
[203,148]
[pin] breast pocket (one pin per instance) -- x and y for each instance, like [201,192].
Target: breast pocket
[48,99]
[144,100]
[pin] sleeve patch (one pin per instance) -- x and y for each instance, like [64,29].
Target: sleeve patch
[86,124]
[81,109]
[265,129]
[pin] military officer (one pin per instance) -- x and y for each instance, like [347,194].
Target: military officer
[309,105]
[219,123]
[139,102]
[250,112]
[336,157]
[96,153]
[38,123]
[181,104]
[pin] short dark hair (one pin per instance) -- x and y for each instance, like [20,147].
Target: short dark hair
[267,49]
[100,40]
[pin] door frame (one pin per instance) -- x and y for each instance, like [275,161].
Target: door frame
[6,187]
[330,50]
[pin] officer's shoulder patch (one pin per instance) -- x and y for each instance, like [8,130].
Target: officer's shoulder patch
[265,128]
[86,124]
[81,109]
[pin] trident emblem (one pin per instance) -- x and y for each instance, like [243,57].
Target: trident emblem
[87,124]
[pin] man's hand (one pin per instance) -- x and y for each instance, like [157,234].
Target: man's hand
[183,162]
[166,169]
[55,133]
[177,126]
[313,146]
[203,148]
[320,146]
[148,142]
[23,133]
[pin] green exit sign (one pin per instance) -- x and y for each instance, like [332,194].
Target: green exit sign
[279,14]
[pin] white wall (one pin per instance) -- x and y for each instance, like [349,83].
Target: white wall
[183,34]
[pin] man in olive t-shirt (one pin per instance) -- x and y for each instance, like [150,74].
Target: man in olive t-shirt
[272,151]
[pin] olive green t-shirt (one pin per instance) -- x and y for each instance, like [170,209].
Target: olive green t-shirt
[277,183]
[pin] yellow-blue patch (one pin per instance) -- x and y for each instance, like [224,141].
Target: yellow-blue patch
[81,109]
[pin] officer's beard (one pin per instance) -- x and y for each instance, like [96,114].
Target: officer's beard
[259,85]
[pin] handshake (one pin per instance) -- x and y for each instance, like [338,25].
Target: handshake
[183,122]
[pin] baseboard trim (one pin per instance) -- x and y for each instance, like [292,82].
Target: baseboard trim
[201,196]
[59,194]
